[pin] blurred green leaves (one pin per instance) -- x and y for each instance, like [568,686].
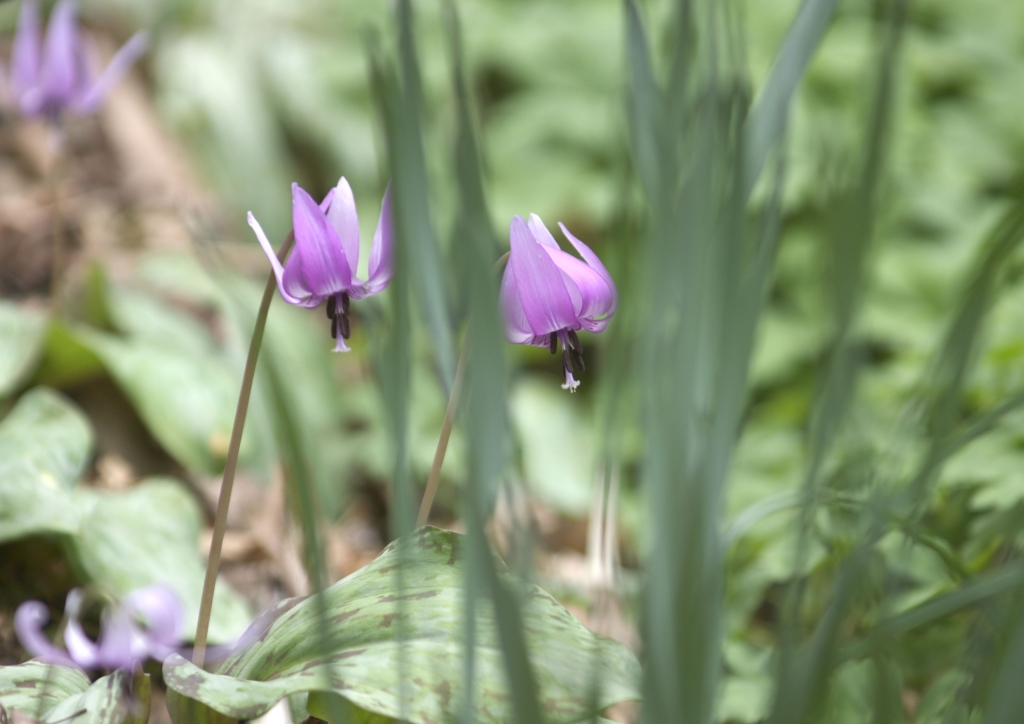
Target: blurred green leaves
[118,540]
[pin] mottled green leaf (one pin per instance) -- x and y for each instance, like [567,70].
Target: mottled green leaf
[119,698]
[364,609]
[37,687]
[21,337]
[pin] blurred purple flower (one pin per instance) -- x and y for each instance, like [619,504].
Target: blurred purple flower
[60,73]
[547,294]
[326,256]
[147,623]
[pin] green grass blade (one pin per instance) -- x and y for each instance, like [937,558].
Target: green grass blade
[486,415]
[768,117]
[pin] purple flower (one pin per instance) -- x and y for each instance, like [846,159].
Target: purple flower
[147,623]
[326,257]
[56,74]
[547,294]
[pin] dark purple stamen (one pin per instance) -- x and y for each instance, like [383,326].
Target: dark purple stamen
[344,303]
[553,343]
[334,327]
[332,307]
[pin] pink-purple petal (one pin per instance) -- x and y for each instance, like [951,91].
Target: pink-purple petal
[517,328]
[541,233]
[29,620]
[289,291]
[546,302]
[595,263]
[595,296]
[25,55]
[383,249]
[341,214]
[325,270]
[161,610]
[61,67]
[116,69]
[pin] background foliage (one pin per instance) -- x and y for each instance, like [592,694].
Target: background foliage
[264,93]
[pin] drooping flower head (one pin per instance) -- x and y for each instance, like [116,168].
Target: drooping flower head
[59,73]
[147,623]
[547,295]
[323,266]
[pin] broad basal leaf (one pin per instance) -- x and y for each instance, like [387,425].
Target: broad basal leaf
[21,338]
[37,687]
[44,445]
[187,401]
[366,618]
[119,698]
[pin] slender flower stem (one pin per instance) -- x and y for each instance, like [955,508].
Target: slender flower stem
[221,518]
[449,421]
[442,442]
[58,260]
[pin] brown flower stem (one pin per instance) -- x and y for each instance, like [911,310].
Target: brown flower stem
[449,421]
[58,260]
[231,463]
[442,442]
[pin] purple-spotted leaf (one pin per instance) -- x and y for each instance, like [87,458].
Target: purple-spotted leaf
[366,617]
[63,695]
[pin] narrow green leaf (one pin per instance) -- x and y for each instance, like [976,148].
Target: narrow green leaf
[768,118]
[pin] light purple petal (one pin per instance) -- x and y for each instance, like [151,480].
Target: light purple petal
[328,200]
[81,648]
[517,328]
[25,54]
[541,233]
[29,620]
[61,67]
[542,292]
[291,292]
[595,325]
[343,219]
[592,296]
[119,645]
[382,252]
[325,270]
[161,610]
[118,67]
[591,258]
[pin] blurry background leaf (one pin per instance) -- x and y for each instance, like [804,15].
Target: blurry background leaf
[21,329]
[120,540]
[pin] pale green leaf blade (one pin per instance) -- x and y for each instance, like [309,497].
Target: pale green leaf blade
[767,120]
[21,337]
[118,698]
[364,608]
[187,402]
[44,445]
[32,685]
[148,535]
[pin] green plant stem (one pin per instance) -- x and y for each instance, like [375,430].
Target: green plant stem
[449,421]
[442,441]
[230,465]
